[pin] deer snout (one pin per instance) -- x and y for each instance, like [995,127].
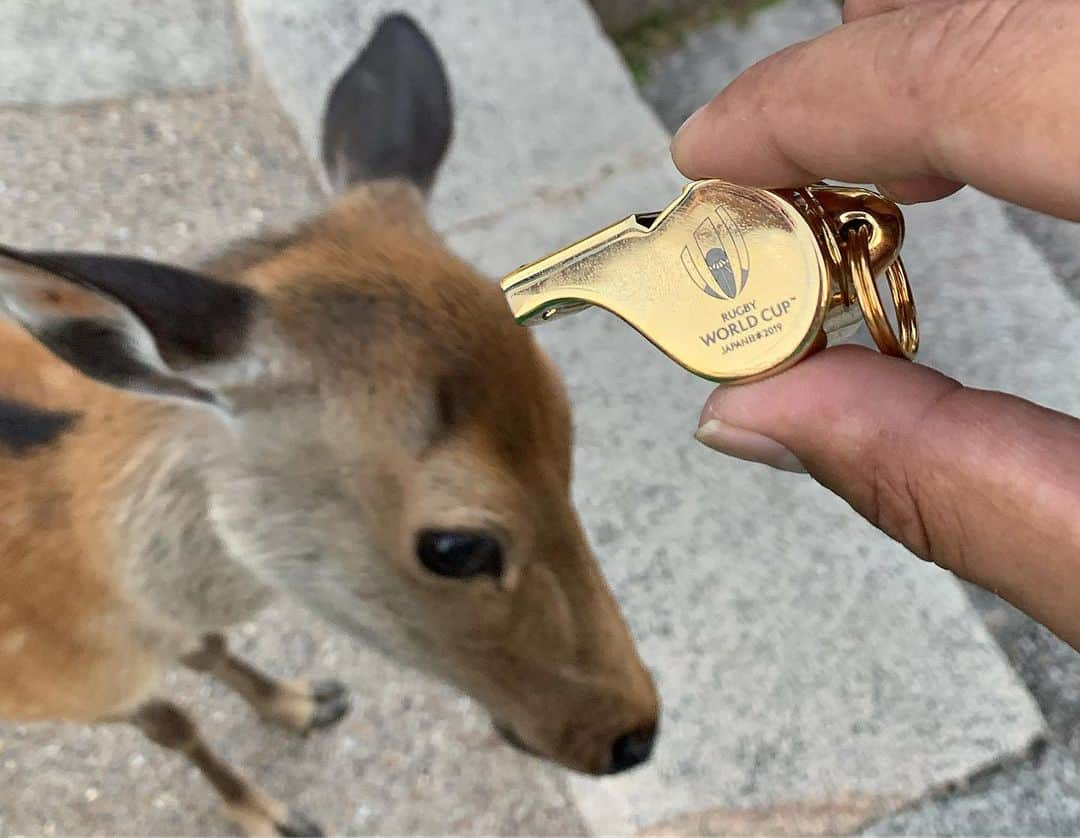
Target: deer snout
[606,727]
[598,753]
[632,748]
[629,742]
[627,751]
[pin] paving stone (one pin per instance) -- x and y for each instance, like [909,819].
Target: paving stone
[165,178]
[1048,666]
[1040,798]
[1011,330]
[541,98]
[1059,241]
[1034,797]
[679,82]
[63,51]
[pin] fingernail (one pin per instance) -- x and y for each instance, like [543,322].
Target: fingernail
[680,135]
[747,445]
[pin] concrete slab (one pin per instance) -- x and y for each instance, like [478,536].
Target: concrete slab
[165,178]
[1049,666]
[1035,797]
[1058,240]
[679,82]
[1012,330]
[64,51]
[541,99]
[1039,798]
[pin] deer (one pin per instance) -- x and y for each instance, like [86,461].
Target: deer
[342,412]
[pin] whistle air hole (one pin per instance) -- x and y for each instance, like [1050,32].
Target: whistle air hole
[646,219]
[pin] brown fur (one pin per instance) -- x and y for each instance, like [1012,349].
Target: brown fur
[66,643]
[429,405]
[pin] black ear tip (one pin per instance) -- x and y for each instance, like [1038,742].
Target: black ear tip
[400,22]
[399,25]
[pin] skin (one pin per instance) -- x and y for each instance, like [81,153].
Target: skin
[941,86]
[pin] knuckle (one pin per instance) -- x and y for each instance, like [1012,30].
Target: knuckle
[780,103]
[858,9]
[852,10]
[943,46]
[770,78]
[931,62]
[895,505]
[921,58]
[912,498]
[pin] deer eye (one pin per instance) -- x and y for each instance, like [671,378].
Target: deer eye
[459,555]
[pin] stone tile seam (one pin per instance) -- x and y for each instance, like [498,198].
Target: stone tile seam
[242,40]
[1033,754]
[202,91]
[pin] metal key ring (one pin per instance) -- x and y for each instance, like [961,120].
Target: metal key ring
[857,263]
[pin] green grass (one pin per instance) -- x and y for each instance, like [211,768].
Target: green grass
[665,31]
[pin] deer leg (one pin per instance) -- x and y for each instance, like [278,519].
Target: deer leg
[298,705]
[165,724]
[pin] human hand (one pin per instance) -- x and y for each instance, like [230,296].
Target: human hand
[920,97]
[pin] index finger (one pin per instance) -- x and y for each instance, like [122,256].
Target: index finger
[976,91]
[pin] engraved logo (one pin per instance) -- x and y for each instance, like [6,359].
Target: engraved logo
[719,246]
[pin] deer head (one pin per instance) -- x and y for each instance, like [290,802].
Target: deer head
[375,435]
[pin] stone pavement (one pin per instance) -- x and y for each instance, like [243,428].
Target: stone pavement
[59,52]
[814,676]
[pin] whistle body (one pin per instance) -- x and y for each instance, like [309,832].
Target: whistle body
[731,282]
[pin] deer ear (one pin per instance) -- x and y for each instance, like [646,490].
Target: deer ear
[130,323]
[389,114]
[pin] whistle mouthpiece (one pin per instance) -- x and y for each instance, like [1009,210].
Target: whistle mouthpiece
[735,283]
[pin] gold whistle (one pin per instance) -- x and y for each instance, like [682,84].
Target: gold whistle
[736,283]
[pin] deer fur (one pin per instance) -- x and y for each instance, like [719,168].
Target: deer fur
[177,447]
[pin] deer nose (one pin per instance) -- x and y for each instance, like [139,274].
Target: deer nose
[632,749]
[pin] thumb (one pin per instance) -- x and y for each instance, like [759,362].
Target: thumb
[983,484]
